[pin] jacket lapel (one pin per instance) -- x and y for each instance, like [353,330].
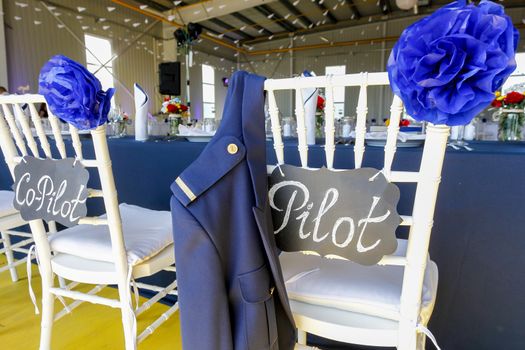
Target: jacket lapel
[264,222]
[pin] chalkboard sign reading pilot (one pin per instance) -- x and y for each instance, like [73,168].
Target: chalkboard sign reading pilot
[347,214]
[52,190]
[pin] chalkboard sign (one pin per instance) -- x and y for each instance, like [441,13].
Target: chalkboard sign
[52,190]
[348,214]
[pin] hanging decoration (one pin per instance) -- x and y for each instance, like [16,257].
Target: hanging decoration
[73,93]
[447,66]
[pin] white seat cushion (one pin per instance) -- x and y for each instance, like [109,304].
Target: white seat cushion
[6,203]
[341,284]
[146,232]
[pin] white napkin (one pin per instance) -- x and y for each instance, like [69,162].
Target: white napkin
[141,113]
[310,106]
[401,136]
[188,131]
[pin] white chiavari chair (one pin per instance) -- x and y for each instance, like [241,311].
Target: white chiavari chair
[126,243]
[9,220]
[388,304]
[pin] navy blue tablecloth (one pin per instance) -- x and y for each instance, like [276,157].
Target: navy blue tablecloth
[478,239]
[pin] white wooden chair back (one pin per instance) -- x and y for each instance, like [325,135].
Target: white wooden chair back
[17,139]
[427,178]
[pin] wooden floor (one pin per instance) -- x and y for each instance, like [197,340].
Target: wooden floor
[88,327]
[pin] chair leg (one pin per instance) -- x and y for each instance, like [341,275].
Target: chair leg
[129,321]
[48,303]
[9,256]
[421,341]
[301,337]
[130,332]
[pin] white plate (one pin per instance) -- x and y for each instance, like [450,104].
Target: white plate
[197,138]
[382,143]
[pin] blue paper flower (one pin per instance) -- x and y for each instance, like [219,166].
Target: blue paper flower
[73,93]
[447,66]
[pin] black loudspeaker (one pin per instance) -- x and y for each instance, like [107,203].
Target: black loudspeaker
[169,78]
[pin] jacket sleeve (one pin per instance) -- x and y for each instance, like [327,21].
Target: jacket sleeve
[205,318]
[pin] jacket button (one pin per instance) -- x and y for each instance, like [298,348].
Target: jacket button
[232,148]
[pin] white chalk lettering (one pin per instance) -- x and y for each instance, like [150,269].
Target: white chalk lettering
[283,184]
[360,247]
[340,237]
[46,198]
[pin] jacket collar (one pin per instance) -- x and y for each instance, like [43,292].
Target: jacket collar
[243,126]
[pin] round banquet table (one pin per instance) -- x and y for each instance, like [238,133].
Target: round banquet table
[478,239]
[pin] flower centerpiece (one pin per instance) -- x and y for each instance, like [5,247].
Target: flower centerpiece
[510,114]
[402,122]
[173,106]
[319,116]
[175,110]
[118,121]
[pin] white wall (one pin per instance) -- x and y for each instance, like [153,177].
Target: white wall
[3,54]
[223,68]
[30,45]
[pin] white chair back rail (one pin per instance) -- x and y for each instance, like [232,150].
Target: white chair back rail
[15,125]
[427,178]
[18,139]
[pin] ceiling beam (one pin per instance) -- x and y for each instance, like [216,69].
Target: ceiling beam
[384,6]
[214,32]
[96,17]
[355,12]
[326,12]
[249,22]
[204,10]
[153,4]
[231,28]
[306,21]
[267,11]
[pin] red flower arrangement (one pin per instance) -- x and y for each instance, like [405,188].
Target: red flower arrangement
[512,100]
[176,108]
[320,103]
[173,106]
[402,122]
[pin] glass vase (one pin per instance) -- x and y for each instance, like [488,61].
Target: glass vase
[118,128]
[174,120]
[510,125]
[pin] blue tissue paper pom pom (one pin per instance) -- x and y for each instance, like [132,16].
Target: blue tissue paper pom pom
[447,66]
[73,94]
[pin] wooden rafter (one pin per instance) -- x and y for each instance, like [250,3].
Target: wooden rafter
[231,28]
[267,11]
[306,21]
[326,12]
[384,6]
[251,23]
[355,12]
[153,4]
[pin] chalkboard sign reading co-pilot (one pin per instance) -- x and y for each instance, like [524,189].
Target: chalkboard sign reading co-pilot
[349,214]
[52,190]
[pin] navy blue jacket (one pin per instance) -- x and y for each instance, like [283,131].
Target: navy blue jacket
[230,284]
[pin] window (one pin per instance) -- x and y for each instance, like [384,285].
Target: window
[517,77]
[102,49]
[339,92]
[208,91]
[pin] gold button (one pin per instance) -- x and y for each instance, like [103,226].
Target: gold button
[232,148]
